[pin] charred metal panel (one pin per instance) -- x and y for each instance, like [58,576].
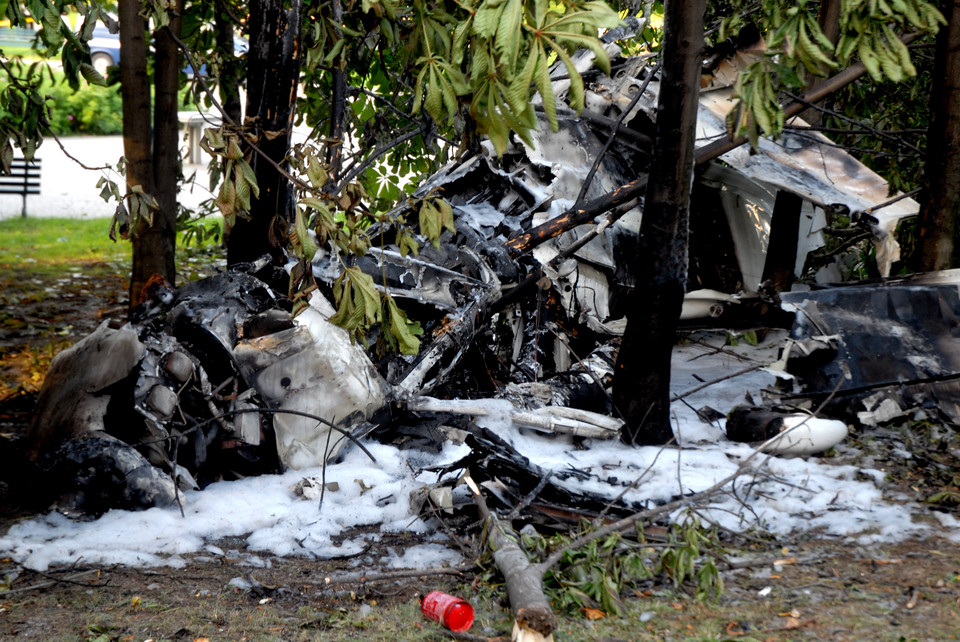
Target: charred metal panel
[880,349]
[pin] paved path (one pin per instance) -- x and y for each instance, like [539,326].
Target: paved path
[69,190]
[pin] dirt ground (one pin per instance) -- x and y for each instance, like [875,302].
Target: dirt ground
[803,588]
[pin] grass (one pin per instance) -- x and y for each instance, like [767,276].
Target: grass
[58,279]
[48,245]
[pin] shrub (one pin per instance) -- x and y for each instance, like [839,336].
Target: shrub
[89,110]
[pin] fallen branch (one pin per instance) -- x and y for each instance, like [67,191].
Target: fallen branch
[353,578]
[53,580]
[534,619]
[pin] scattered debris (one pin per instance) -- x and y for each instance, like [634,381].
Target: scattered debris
[217,380]
[879,352]
[784,433]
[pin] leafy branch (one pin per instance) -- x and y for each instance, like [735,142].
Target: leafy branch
[868,31]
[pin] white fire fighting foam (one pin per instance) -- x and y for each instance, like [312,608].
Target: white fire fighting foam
[262,517]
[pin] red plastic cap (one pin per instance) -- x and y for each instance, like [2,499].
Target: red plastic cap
[459,617]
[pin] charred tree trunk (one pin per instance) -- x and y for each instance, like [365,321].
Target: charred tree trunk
[162,235]
[641,386]
[273,72]
[938,216]
[229,81]
[135,91]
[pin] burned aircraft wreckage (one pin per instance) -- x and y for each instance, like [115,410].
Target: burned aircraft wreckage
[217,380]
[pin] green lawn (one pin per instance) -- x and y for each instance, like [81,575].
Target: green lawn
[46,244]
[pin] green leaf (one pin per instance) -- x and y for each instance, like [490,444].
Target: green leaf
[303,245]
[357,300]
[401,332]
[418,91]
[508,36]
[487,19]
[334,51]
[481,65]
[316,173]
[249,176]
[576,82]
[446,215]
[226,202]
[407,243]
[461,35]
[242,189]
[434,102]
[91,75]
[431,222]
[518,92]
[314,202]
[6,155]
[542,80]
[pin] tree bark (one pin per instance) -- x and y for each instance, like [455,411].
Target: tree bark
[229,82]
[534,619]
[273,72]
[938,215]
[158,243]
[135,91]
[641,385]
[338,102]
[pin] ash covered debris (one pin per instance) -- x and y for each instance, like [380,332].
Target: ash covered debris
[216,380]
[879,352]
[197,391]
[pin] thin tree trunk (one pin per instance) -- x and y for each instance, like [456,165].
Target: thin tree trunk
[273,72]
[641,386]
[135,90]
[160,240]
[938,216]
[338,102]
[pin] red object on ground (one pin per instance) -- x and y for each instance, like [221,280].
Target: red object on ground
[451,611]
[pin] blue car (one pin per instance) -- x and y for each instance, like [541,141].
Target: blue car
[105,50]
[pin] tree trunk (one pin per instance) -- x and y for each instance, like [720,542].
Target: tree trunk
[273,72]
[159,242]
[135,91]
[938,216]
[641,386]
[229,81]
[338,102]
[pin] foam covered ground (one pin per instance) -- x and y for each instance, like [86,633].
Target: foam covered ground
[780,495]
